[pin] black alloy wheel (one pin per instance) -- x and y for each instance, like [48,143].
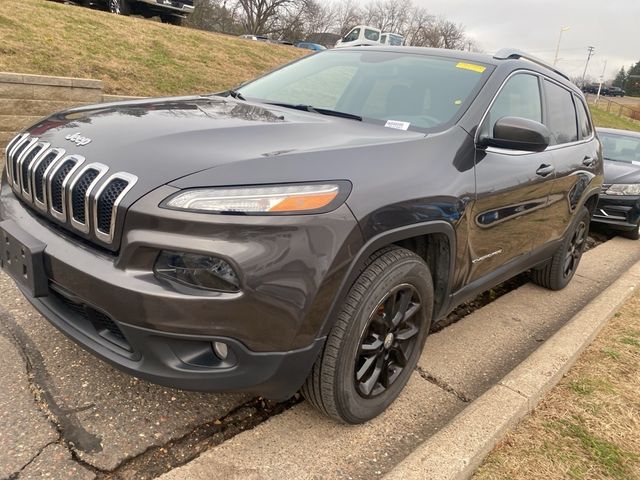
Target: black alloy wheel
[575,249]
[377,338]
[388,341]
[557,272]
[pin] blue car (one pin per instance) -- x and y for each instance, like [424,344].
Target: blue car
[311,46]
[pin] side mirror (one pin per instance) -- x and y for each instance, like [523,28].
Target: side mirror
[517,133]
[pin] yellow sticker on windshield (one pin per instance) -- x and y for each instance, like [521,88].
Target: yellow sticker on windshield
[471,66]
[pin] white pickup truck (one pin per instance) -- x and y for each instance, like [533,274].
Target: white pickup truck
[364,35]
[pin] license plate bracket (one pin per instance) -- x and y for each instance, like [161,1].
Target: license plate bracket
[22,257]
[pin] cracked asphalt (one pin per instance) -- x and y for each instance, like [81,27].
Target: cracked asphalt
[66,414]
[53,394]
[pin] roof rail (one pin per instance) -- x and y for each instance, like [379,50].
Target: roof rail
[512,53]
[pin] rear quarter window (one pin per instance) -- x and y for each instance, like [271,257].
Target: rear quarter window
[584,124]
[561,114]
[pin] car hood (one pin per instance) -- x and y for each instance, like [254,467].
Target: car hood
[162,140]
[621,172]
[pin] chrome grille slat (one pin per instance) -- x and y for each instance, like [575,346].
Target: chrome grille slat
[79,198]
[56,184]
[66,188]
[11,152]
[25,168]
[38,175]
[17,156]
[105,208]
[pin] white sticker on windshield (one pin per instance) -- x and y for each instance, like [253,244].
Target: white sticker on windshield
[397,124]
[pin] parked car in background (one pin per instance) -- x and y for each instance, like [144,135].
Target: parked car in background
[256,38]
[619,206]
[169,11]
[592,88]
[316,47]
[391,39]
[319,220]
[359,36]
[615,92]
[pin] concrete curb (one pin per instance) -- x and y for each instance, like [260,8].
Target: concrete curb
[456,451]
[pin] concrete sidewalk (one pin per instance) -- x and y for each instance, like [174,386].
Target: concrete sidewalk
[458,366]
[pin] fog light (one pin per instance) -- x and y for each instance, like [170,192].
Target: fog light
[195,270]
[221,350]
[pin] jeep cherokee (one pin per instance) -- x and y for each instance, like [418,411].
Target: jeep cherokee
[305,230]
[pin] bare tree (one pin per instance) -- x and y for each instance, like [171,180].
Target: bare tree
[259,16]
[298,19]
[348,15]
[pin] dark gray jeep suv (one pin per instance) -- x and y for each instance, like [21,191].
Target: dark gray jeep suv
[305,230]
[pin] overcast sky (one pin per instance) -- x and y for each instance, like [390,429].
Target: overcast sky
[611,26]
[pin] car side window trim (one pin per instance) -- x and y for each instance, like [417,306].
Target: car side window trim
[502,151]
[541,78]
[497,94]
[582,104]
[573,94]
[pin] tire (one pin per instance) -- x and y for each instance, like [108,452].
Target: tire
[345,383]
[560,269]
[119,7]
[632,234]
[171,20]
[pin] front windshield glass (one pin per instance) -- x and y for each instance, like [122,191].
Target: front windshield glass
[352,35]
[422,92]
[620,148]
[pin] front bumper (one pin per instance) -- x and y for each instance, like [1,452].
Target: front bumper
[114,306]
[618,212]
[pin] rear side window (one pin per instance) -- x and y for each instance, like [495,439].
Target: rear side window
[561,114]
[584,125]
[520,97]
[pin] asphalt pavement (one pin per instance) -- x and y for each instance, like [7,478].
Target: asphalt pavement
[68,414]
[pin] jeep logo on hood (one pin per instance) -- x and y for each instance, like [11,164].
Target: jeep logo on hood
[78,139]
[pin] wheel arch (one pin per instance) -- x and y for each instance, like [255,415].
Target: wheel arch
[433,241]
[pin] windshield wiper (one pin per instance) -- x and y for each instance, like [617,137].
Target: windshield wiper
[321,111]
[235,94]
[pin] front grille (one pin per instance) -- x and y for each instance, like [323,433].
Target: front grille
[104,326]
[67,189]
[38,176]
[78,194]
[15,157]
[106,202]
[26,163]
[57,192]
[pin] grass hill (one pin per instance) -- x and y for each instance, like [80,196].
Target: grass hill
[131,55]
[604,119]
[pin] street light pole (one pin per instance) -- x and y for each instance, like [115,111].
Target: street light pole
[584,74]
[555,59]
[601,80]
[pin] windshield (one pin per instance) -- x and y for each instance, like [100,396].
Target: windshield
[408,90]
[620,148]
[352,35]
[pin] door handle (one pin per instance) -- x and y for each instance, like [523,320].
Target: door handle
[545,170]
[588,161]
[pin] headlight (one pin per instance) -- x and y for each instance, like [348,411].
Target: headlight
[624,189]
[278,199]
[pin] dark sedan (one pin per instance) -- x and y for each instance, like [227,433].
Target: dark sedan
[619,205]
